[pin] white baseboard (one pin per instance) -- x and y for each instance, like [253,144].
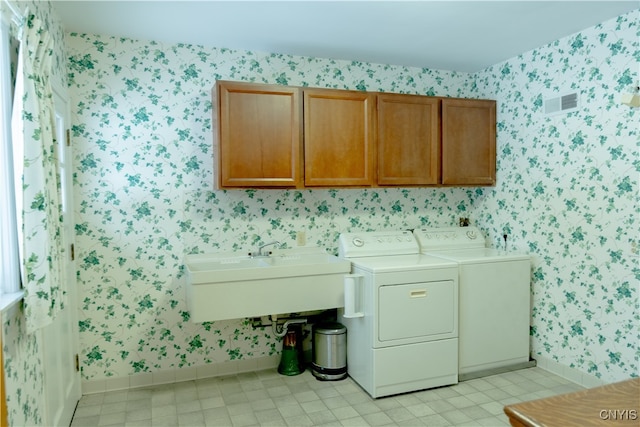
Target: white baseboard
[572,374]
[232,367]
[175,375]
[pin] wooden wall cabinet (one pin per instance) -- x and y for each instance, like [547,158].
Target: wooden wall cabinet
[260,135]
[408,140]
[273,136]
[338,138]
[468,142]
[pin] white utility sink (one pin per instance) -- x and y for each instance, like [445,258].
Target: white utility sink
[232,285]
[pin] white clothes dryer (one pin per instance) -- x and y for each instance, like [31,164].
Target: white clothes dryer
[495,307]
[401,314]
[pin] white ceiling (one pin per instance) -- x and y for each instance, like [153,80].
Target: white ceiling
[454,35]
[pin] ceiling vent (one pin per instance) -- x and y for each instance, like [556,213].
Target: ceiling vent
[562,104]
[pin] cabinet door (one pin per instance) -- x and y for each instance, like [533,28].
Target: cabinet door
[408,140]
[468,142]
[338,138]
[260,135]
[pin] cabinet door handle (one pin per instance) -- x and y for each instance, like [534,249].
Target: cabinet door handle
[421,293]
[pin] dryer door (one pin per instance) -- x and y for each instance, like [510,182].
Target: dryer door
[417,311]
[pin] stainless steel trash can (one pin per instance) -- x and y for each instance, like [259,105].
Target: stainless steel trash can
[329,356]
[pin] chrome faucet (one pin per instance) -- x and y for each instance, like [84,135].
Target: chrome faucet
[260,253]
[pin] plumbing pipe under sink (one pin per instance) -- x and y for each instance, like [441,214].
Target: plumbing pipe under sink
[283,331]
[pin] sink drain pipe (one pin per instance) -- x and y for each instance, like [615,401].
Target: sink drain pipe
[281,331]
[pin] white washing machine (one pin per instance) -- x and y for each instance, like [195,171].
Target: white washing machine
[401,314]
[495,308]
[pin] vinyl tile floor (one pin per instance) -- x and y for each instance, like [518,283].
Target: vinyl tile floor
[265,398]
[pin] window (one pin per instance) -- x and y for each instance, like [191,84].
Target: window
[9,265]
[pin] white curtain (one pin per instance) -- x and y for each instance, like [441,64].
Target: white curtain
[37,181]
[9,268]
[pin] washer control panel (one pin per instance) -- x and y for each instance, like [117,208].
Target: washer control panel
[377,243]
[446,238]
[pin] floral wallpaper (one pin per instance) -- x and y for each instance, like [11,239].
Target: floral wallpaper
[23,371]
[22,351]
[144,152]
[567,192]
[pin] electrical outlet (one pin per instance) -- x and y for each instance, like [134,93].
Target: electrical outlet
[301,238]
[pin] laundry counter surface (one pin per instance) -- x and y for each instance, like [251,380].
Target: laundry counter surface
[616,404]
